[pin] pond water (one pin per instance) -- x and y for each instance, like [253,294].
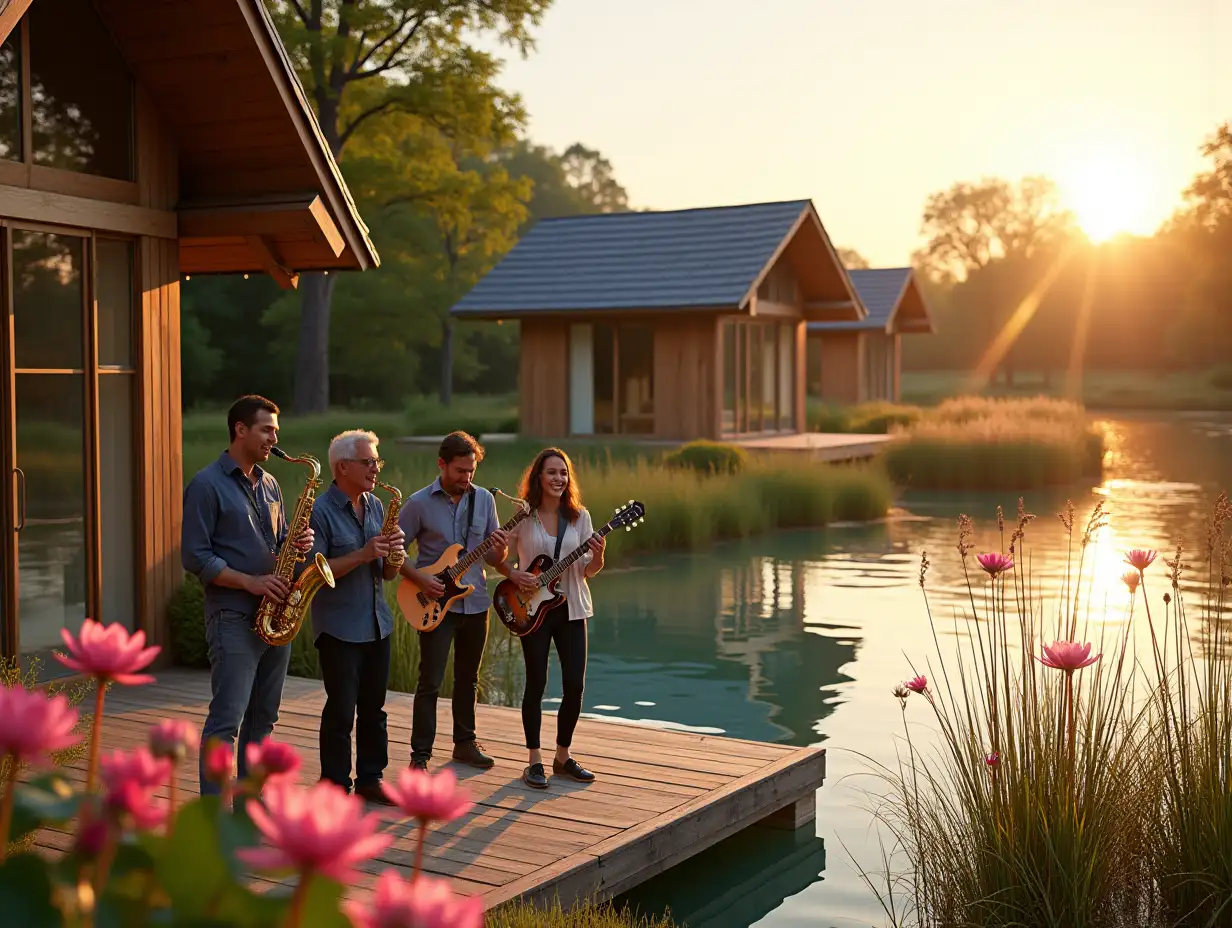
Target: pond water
[797,638]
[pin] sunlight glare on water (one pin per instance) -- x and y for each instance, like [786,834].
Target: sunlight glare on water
[798,638]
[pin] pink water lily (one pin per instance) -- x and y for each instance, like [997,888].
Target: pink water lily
[320,830]
[32,725]
[1068,656]
[108,653]
[428,797]
[171,738]
[130,780]
[995,563]
[426,902]
[1139,558]
[271,761]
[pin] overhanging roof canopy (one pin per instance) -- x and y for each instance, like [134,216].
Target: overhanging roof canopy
[693,259]
[259,189]
[894,301]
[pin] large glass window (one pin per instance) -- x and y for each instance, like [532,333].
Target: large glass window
[605,380]
[81,92]
[10,97]
[759,375]
[622,360]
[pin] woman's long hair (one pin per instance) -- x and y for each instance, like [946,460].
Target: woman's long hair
[532,486]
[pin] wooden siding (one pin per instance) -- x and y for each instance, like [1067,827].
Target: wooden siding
[801,404]
[543,379]
[686,399]
[842,367]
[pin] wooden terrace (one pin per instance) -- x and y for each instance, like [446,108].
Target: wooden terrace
[660,797]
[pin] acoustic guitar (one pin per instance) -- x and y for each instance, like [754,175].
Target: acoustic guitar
[425,613]
[523,612]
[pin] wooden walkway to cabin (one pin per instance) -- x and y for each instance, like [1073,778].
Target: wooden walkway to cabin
[660,797]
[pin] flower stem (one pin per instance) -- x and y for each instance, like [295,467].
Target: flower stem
[6,804]
[295,914]
[171,802]
[419,846]
[96,731]
[103,865]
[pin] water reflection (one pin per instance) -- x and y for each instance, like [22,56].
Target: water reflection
[798,638]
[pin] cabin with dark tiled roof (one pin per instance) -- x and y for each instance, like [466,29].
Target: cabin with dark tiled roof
[674,325]
[857,361]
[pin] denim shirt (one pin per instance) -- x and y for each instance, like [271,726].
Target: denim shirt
[434,521]
[229,522]
[355,609]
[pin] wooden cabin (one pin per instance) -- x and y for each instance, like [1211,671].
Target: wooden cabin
[669,325]
[857,361]
[139,141]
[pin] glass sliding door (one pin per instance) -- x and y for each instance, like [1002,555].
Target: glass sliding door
[622,387]
[759,376]
[69,377]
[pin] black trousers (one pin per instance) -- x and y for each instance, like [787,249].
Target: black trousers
[468,634]
[356,676]
[570,638]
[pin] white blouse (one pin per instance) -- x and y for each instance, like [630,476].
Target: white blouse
[533,540]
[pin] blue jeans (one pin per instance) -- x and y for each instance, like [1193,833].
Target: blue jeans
[246,677]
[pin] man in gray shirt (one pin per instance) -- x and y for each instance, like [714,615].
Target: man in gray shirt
[451,510]
[234,526]
[352,622]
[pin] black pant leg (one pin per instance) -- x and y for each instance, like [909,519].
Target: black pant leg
[535,650]
[469,641]
[433,655]
[340,662]
[371,733]
[571,646]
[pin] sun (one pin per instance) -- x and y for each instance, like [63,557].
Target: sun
[1107,192]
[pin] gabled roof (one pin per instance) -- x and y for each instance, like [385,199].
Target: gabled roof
[893,299]
[711,258]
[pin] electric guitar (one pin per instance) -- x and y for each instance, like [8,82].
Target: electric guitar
[425,613]
[523,612]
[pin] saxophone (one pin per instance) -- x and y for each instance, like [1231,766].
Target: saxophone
[395,558]
[279,623]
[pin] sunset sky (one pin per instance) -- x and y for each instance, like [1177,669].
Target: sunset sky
[867,106]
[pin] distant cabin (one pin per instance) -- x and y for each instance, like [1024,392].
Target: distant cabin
[671,325]
[858,361]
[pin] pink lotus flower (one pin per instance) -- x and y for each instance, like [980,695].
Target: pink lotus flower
[917,684]
[1068,656]
[271,761]
[317,830]
[995,563]
[1131,579]
[170,738]
[425,902]
[108,653]
[31,725]
[129,801]
[219,761]
[1139,558]
[428,797]
[130,780]
[992,760]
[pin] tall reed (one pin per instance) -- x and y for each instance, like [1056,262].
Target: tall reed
[1028,809]
[1191,738]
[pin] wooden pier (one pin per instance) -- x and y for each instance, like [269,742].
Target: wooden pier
[659,798]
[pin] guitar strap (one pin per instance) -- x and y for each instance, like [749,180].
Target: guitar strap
[470,517]
[561,525]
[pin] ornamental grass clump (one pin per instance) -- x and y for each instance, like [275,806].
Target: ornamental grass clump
[1027,806]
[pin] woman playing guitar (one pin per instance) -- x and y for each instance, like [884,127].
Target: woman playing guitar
[558,523]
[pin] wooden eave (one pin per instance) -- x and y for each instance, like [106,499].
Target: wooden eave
[594,314]
[259,189]
[910,314]
[825,290]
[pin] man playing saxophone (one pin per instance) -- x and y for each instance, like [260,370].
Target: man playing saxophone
[234,525]
[352,621]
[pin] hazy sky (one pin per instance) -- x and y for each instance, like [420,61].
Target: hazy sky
[867,106]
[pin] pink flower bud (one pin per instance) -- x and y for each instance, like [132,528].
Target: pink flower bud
[170,738]
[270,761]
[219,761]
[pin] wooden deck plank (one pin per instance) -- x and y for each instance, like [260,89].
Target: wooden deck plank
[661,796]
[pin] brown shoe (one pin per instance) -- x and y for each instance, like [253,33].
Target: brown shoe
[372,792]
[573,770]
[418,763]
[470,753]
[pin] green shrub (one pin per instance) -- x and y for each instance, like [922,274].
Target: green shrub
[708,457]
[585,915]
[873,418]
[186,615]
[478,415]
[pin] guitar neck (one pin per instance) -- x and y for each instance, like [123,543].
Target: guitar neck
[565,563]
[464,564]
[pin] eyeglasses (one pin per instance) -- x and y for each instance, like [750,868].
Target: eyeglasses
[378,463]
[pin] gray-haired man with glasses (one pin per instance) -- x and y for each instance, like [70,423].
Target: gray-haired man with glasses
[352,622]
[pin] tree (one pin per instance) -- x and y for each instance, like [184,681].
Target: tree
[396,56]
[973,224]
[593,180]
[1208,199]
[852,259]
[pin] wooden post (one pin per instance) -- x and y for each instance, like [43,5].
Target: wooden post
[794,815]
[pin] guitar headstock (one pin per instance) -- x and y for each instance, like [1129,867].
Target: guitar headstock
[523,505]
[628,516]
